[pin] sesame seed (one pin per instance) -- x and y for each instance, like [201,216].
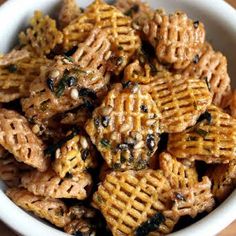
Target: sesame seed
[74,94]
[54,74]
[83,142]
[36,129]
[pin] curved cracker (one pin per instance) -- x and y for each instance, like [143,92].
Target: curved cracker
[112,21]
[89,70]
[212,142]
[128,199]
[42,36]
[212,66]
[74,157]
[15,78]
[18,139]
[125,128]
[178,174]
[176,38]
[48,184]
[180,99]
[53,210]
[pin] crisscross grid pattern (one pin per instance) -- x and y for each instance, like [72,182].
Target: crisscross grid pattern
[68,12]
[175,38]
[74,157]
[13,56]
[16,84]
[53,210]
[223,179]
[48,184]
[179,175]
[42,36]
[94,52]
[212,66]
[43,103]
[212,143]
[126,120]
[127,199]
[180,100]
[109,19]
[18,139]
[197,199]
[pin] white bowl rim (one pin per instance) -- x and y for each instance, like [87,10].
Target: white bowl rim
[211,224]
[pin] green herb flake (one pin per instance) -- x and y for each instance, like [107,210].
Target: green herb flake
[70,59]
[150,225]
[201,132]
[105,143]
[60,89]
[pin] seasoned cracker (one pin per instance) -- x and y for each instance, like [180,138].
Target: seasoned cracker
[193,200]
[180,99]
[53,210]
[176,38]
[18,139]
[125,128]
[128,199]
[48,184]
[178,174]
[75,156]
[212,67]
[94,52]
[42,36]
[71,81]
[15,78]
[113,22]
[212,140]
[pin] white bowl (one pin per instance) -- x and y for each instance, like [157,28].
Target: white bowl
[220,21]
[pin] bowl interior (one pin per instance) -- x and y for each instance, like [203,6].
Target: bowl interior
[219,20]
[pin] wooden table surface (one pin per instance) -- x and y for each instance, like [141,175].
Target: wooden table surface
[229,231]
